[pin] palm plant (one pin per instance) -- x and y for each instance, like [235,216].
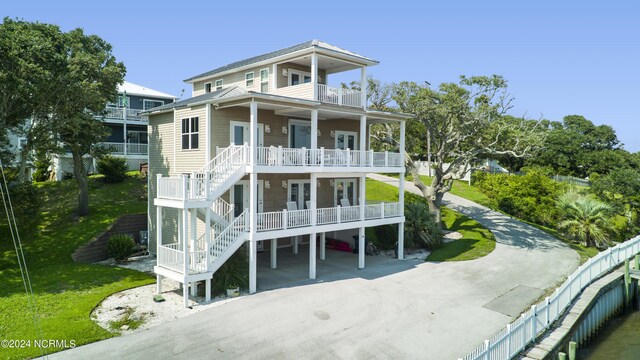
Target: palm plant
[585,219]
[421,228]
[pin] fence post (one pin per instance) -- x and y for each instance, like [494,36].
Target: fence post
[534,322]
[486,349]
[382,210]
[508,341]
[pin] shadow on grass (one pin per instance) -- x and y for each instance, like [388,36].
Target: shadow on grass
[453,250]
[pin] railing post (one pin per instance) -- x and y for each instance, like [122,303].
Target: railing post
[386,159]
[570,281]
[486,350]
[547,312]
[185,186]
[348,157]
[508,341]
[303,157]
[322,156]
[338,216]
[158,177]
[534,322]
[382,210]
[340,96]
[370,158]
[284,219]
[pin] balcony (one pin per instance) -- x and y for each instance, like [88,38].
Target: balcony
[279,156]
[132,148]
[115,113]
[325,94]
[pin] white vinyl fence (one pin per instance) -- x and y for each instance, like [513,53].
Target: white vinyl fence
[509,341]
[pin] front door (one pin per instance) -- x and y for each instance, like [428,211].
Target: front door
[344,190]
[300,193]
[346,140]
[239,133]
[240,196]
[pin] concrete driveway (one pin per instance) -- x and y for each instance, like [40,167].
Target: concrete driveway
[393,310]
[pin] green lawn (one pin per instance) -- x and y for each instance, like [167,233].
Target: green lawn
[477,240]
[65,292]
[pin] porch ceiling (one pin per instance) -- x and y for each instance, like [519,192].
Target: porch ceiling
[328,63]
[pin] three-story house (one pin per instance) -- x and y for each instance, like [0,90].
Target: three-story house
[266,153]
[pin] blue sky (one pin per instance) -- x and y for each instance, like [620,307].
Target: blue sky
[560,57]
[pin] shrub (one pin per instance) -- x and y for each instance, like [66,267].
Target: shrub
[384,237]
[113,168]
[26,201]
[120,246]
[42,163]
[420,228]
[234,271]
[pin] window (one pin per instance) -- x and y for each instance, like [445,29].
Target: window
[207,87]
[122,102]
[298,77]
[190,133]
[22,142]
[218,84]
[264,80]
[248,79]
[149,104]
[299,134]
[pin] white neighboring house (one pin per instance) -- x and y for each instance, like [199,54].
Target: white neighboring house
[128,138]
[267,154]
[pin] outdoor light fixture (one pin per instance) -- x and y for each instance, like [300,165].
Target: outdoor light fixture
[332,134]
[319,133]
[267,184]
[284,130]
[331,183]
[285,72]
[267,129]
[284,184]
[318,183]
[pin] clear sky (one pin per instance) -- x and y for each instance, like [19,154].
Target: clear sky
[560,57]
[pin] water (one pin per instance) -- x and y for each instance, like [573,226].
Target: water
[618,340]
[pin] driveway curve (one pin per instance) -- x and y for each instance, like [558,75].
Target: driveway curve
[397,310]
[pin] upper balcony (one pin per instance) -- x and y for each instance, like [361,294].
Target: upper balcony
[117,113]
[323,93]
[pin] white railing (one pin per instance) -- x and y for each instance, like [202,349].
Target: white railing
[288,219]
[339,96]
[509,341]
[227,237]
[198,261]
[132,148]
[200,183]
[175,188]
[279,156]
[118,114]
[171,257]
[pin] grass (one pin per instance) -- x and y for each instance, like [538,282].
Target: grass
[470,192]
[477,241]
[65,292]
[127,319]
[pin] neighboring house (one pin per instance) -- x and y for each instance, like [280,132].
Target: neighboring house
[128,136]
[17,141]
[266,153]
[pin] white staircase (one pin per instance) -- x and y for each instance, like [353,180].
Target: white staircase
[228,241]
[216,177]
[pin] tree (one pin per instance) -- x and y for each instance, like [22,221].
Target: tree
[466,124]
[29,59]
[85,84]
[584,219]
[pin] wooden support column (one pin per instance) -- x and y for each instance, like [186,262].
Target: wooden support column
[323,246]
[363,140]
[363,86]
[295,244]
[159,284]
[274,253]
[314,131]
[361,247]
[207,290]
[401,192]
[312,256]
[253,197]
[185,259]
[314,75]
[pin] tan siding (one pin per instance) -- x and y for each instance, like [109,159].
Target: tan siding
[190,160]
[284,80]
[160,158]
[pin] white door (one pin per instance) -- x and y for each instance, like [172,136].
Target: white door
[239,133]
[240,196]
[344,189]
[346,140]
[299,192]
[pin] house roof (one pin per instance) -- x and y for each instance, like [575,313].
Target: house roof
[317,44]
[225,92]
[135,89]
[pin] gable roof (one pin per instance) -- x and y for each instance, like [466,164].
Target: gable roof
[135,89]
[225,92]
[278,53]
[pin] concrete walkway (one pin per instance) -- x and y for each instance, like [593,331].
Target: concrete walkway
[392,310]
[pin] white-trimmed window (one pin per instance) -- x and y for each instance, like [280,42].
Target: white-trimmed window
[121,101]
[219,84]
[22,142]
[248,79]
[264,80]
[297,77]
[150,104]
[190,133]
[207,87]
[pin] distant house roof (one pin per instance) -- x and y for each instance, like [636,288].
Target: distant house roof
[274,54]
[225,92]
[135,89]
